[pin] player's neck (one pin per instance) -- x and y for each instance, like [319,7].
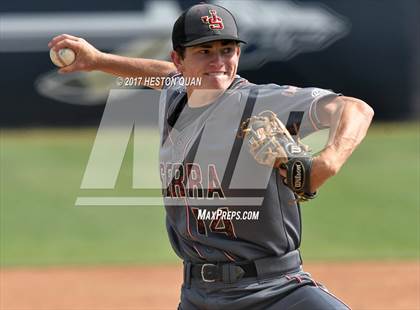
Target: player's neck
[202,97]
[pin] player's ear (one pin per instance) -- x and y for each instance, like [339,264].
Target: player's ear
[177,60]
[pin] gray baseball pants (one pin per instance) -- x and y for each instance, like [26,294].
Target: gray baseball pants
[293,291]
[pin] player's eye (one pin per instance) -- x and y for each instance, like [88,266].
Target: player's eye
[227,50]
[204,52]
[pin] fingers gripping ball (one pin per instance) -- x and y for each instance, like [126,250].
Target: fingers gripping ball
[64,57]
[271,144]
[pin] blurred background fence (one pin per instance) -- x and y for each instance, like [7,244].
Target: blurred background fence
[368,49]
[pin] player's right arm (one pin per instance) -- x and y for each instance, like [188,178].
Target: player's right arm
[88,58]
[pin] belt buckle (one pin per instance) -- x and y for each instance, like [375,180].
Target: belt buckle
[203,272]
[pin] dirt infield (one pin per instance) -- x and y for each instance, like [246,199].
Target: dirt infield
[364,286]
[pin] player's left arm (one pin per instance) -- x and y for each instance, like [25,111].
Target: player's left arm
[349,119]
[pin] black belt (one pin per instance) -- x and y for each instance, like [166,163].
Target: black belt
[232,272]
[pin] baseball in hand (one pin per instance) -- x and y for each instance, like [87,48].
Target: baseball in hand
[64,57]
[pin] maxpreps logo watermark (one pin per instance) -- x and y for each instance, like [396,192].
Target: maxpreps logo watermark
[224,214]
[200,167]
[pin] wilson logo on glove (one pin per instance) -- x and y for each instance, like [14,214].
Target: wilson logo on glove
[298,172]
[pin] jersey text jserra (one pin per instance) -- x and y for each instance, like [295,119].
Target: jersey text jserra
[187,181]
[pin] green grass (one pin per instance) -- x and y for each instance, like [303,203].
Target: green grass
[369,211]
[40,225]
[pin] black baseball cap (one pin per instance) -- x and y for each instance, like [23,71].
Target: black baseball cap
[204,23]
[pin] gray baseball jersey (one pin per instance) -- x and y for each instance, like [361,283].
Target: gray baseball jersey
[221,205]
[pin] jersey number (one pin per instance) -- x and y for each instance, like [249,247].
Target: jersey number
[223,225]
[217,225]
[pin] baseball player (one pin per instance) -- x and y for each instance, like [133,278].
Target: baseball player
[233,170]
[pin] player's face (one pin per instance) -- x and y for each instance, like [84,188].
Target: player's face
[215,63]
